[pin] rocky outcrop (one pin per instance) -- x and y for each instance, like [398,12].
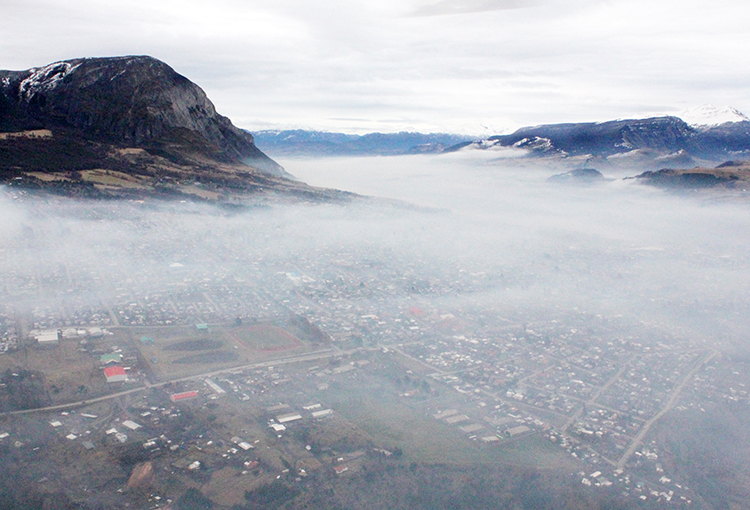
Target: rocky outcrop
[134,101]
[728,175]
[578,176]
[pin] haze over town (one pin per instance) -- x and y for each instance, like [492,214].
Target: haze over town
[518,309]
[499,324]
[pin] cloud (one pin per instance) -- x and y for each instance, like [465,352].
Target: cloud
[502,62]
[543,245]
[446,7]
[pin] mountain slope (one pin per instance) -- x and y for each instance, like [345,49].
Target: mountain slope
[135,100]
[658,142]
[728,176]
[127,126]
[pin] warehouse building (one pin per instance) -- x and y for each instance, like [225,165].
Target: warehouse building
[185,395]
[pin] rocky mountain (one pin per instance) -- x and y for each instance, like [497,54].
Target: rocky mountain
[658,142]
[301,142]
[134,118]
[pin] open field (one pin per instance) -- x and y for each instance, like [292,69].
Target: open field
[183,350]
[68,374]
[422,438]
[264,338]
[49,177]
[111,178]
[36,133]
[227,486]
[199,192]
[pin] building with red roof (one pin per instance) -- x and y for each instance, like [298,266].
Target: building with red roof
[185,395]
[115,374]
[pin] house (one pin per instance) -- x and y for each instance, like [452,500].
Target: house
[340,469]
[110,359]
[70,333]
[115,374]
[95,332]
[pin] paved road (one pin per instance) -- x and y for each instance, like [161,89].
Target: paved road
[675,394]
[596,395]
[279,361]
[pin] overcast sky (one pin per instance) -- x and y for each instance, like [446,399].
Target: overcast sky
[428,65]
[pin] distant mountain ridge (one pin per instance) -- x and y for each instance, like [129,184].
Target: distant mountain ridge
[657,141]
[300,142]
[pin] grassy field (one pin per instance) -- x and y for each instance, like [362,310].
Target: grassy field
[390,421]
[264,338]
[69,374]
[112,178]
[183,350]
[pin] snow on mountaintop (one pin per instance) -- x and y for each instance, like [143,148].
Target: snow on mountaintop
[45,78]
[709,115]
[481,130]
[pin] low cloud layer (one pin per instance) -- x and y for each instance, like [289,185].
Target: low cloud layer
[462,234]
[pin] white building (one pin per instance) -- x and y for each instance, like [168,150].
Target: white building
[285,418]
[48,337]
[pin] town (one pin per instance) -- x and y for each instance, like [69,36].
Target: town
[230,366]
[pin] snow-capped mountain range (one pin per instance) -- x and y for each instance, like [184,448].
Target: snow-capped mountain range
[708,115]
[696,136]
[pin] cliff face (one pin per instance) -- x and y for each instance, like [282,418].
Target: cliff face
[128,101]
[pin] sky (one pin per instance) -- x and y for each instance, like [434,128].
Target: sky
[358,66]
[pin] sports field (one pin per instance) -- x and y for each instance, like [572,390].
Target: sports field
[182,350]
[264,337]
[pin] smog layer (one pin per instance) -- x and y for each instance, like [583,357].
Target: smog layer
[470,318]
